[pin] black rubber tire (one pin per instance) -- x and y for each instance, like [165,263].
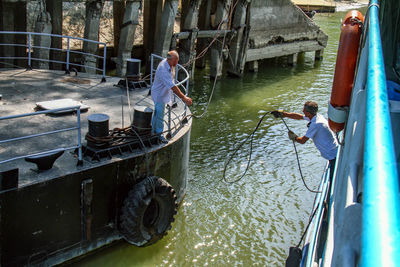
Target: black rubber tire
[146,217]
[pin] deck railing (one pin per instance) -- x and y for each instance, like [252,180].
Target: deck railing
[51,111]
[31,46]
[381,201]
[183,84]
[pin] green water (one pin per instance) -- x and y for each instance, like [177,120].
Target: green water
[254,221]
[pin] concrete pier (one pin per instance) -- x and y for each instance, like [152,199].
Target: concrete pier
[244,31]
[285,31]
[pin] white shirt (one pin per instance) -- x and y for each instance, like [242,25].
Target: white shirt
[322,136]
[163,82]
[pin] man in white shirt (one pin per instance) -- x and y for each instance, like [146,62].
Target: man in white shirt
[318,131]
[161,92]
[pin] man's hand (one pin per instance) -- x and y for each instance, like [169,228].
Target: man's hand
[187,100]
[277,113]
[292,135]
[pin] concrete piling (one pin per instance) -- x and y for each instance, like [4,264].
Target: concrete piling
[151,24]
[127,38]
[319,54]
[13,18]
[92,24]
[221,20]
[54,7]
[43,25]
[204,23]
[253,66]
[291,59]
[187,51]
[239,44]
[165,31]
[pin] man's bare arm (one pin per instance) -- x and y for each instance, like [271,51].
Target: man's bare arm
[295,116]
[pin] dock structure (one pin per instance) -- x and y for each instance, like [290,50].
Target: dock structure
[227,32]
[319,6]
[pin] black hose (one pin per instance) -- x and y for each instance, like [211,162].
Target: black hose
[251,136]
[298,161]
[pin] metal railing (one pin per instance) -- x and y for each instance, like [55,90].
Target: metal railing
[183,84]
[51,111]
[381,201]
[30,47]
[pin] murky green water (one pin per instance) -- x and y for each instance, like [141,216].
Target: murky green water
[254,221]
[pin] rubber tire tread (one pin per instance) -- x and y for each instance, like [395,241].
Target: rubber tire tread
[135,204]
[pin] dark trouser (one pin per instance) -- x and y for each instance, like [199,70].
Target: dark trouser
[332,163]
[331,168]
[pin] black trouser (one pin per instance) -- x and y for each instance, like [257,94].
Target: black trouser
[331,168]
[332,163]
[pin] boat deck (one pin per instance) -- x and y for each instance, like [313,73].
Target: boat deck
[21,90]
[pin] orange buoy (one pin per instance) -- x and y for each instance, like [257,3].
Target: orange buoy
[346,61]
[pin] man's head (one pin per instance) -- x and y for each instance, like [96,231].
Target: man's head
[172,58]
[310,109]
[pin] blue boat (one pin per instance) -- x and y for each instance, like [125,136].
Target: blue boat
[356,218]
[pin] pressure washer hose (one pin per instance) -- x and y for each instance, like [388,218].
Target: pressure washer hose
[251,136]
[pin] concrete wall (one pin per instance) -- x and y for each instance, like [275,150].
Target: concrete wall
[282,24]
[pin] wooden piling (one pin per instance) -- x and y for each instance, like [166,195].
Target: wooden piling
[127,38]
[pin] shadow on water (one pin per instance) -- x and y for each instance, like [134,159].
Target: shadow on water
[257,219]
